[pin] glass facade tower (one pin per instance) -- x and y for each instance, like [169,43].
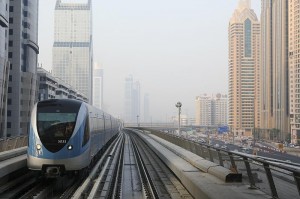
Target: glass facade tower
[23,52]
[4,64]
[274,69]
[98,86]
[132,100]
[72,48]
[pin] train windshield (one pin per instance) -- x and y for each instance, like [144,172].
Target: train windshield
[55,124]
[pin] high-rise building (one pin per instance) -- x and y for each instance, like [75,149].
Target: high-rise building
[294,68]
[204,110]
[146,108]
[211,110]
[128,99]
[244,70]
[220,110]
[274,68]
[98,86]
[23,51]
[132,100]
[136,101]
[72,48]
[4,63]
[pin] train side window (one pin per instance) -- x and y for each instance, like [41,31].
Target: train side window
[86,135]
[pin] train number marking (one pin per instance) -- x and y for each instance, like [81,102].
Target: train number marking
[62,141]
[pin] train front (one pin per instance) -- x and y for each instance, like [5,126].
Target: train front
[58,137]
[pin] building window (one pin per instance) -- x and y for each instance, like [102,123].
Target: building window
[10,54]
[11,8]
[25,35]
[10,66]
[25,2]
[11,20]
[247,27]
[9,101]
[26,25]
[9,113]
[10,78]
[10,32]
[8,125]
[10,43]
[9,89]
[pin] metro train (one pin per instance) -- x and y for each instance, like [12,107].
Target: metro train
[65,135]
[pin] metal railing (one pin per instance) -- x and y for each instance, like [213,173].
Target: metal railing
[13,143]
[277,178]
[150,125]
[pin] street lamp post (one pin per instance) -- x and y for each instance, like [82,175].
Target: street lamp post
[178,105]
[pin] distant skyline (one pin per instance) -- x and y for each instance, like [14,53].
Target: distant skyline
[176,49]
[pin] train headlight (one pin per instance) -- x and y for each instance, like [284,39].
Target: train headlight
[38,147]
[70,147]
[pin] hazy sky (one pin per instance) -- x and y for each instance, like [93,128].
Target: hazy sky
[177,49]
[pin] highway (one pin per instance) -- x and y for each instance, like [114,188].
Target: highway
[264,150]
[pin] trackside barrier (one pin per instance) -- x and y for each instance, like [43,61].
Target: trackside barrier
[13,143]
[274,177]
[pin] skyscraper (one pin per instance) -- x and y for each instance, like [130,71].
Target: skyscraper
[136,101]
[146,108]
[244,69]
[132,100]
[98,86]
[294,68]
[128,99]
[23,51]
[274,67]
[4,64]
[72,48]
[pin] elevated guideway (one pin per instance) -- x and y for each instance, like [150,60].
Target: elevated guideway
[276,178]
[193,172]
[200,170]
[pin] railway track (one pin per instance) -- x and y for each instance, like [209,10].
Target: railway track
[127,169]
[158,180]
[28,184]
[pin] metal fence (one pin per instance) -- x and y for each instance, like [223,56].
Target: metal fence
[277,178]
[13,143]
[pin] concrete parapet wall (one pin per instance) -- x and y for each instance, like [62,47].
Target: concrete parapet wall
[12,164]
[12,153]
[204,165]
[174,144]
[199,183]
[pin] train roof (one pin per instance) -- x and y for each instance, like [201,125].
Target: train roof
[69,102]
